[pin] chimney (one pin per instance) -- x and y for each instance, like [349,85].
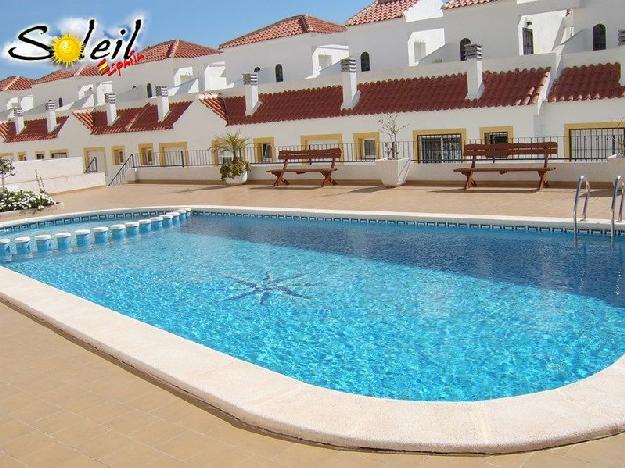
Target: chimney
[250,81]
[351,95]
[475,71]
[162,101]
[621,43]
[19,120]
[51,115]
[111,108]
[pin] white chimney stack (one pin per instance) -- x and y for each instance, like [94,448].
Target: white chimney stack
[351,95]
[250,81]
[621,43]
[475,71]
[111,108]
[162,102]
[19,120]
[51,116]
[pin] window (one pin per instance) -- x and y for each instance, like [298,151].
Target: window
[40,156]
[599,41]
[279,74]
[118,156]
[58,155]
[463,53]
[147,156]
[439,148]
[149,90]
[369,149]
[528,41]
[256,69]
[365,62]
[266,152]
[60,102]
[496,138]
[21,156]
[596,143]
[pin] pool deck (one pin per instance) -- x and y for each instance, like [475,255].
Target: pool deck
[30,351]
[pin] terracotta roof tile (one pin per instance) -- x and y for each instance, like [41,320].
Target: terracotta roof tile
[33,130]
[293,26]
[588,82]
[381,10]
[15,83]
[132,119]
[65,73]
[216,104]
[514,88]
[451,4]
[176,49]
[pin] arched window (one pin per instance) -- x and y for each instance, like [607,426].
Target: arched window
[365,62]
[149,89]
[279,74]
[60,102]
[256,70]
[599,37]
[463,53]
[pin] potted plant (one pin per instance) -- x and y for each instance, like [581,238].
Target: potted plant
[392,169]
[233,171]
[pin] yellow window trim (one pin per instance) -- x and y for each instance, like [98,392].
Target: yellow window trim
[21,156]
[63,150]
[581,126]
[258,146]
[163,148]
[500,129]
[437,131]
[142,147]
[359,138]
[113,156]
[89,149]
[306,139]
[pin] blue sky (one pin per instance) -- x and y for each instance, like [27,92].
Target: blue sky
[208,22]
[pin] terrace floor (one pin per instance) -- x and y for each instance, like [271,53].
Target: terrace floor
[64,405]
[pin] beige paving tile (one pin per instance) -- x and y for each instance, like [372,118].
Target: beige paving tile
[130,455]
[8,462]
[606,452]
[550,460]
[10,428]
[49,456]
[220,455]
[132,421]
[187,445]
[103,445]
[26,443]
[159,431]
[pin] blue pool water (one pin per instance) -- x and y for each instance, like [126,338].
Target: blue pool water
[429,314]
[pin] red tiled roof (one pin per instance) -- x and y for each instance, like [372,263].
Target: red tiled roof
[132,119]
[293,26]
[15,83]
[513,88]
[587,83]
[451,4]
[381,10]
[216,104]
[176,49]
[33,130]
[63,74]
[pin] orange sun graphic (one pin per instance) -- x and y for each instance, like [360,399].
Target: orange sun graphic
[67,49]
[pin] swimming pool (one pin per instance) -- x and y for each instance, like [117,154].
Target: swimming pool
[400,312]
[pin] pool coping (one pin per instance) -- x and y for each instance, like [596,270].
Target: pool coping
[588,409]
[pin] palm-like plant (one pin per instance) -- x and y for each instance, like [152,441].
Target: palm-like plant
[233,143]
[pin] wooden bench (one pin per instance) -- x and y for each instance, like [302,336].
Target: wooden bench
[309,156]
[501,151]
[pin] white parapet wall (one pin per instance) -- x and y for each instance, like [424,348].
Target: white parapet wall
[58,175]
[603,172]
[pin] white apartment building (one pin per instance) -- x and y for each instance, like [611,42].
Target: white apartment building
[548,69]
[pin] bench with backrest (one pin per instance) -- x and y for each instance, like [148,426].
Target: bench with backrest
[500,152]
[306,161]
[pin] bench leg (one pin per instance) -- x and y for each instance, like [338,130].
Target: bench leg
[470,182]
[328,180]
[544,182]
[280,180]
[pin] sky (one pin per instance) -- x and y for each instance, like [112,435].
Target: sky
[207,22]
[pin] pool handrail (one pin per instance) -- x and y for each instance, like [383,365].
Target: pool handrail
[583,181]
[619,188]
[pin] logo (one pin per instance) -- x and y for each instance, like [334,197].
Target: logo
[66,49]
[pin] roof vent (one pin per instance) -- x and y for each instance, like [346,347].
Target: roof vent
[351,95]
[473,52]
[51,116]
[252,100]
[111,108]
[475,71]
[19,120]
[621,37]
[162,102]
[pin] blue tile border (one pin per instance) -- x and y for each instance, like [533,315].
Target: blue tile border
[434,224]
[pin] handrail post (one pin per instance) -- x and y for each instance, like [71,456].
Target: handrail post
[582,181]
[619,188]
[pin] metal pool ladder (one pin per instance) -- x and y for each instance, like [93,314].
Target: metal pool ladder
[619,189]
[585,184]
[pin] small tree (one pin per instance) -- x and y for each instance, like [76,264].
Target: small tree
[7,169]
[390,126]
[234,144]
